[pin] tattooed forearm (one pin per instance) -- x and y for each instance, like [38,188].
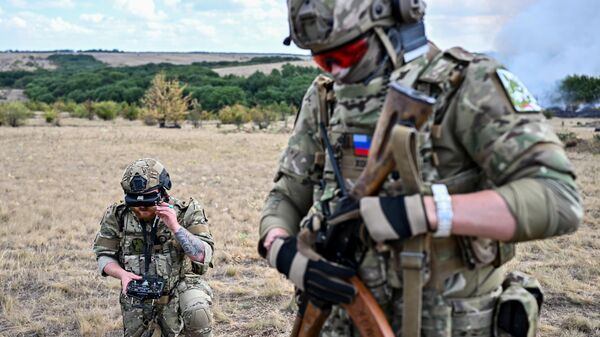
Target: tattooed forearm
[192,245]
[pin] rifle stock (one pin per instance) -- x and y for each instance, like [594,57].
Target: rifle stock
[366,314]
[402,106]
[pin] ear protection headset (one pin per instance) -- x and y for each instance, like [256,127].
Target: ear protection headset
[408,11]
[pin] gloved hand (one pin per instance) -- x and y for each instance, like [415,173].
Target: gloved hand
[310,272]
[394,218]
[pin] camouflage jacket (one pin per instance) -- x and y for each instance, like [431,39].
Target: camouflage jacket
[477,126]
[121,239]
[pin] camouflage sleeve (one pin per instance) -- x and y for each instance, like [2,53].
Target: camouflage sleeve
[106,243]
[195,221]
[520,155]
[291,196]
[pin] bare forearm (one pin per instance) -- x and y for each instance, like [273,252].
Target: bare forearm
[114,269]
[191,245]
[481,214]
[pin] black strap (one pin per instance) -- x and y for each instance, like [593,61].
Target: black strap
[149,244]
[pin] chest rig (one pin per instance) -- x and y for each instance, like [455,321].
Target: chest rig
[167,258]
[351,113]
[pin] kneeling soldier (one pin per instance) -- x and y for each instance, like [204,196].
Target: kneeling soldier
[158,247]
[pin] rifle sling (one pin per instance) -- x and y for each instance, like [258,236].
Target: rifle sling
[414,258]
[404,140]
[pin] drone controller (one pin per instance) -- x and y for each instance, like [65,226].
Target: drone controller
[150,288]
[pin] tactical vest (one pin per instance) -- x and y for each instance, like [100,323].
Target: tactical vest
[168,259]
[459,267]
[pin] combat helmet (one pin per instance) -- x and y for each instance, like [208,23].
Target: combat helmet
[358,36]
[144,176]
[321,25]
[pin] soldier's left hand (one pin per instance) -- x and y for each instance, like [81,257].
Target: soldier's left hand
[394,218]
[167,214]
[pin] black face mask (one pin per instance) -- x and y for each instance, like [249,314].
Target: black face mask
[147,200]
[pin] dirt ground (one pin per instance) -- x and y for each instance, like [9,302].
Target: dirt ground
[56,182]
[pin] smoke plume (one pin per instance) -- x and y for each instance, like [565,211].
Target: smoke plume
[549,40]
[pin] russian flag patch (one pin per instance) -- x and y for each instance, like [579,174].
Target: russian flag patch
[362,143]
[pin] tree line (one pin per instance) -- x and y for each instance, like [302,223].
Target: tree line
[81,78]
[580,89]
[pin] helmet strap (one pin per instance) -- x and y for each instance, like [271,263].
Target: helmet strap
[388,46]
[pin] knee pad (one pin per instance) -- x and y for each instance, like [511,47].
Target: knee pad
[198,321]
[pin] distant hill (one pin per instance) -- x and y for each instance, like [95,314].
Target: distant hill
[29,61]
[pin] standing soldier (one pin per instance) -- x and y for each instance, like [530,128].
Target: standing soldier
[489,172]
[161,245]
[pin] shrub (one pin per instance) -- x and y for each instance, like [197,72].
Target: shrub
[263,116]
[548,114]
[129,111]
[80,112]
[51,115]
[237,114]
[568,138]
[107,110]
[37,106]
[14,113]
[148,117]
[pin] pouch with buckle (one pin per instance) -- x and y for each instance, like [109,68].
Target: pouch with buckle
[518,308]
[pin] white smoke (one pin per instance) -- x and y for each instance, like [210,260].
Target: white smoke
[548,41]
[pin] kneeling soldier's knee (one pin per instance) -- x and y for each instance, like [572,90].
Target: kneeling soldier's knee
[197,320]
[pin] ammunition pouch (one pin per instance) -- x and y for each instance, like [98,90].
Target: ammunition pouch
[518,308]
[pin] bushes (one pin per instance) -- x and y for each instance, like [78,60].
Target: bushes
[568,138]
[83,111]
[37,106]
[129,111]
[14,114]
[107,110]
[237,114]
[263,116]
[51,116]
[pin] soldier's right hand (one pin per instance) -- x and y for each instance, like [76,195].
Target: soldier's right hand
[310,272]
[127,277]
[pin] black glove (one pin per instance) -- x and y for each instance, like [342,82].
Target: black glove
[394,218]
[310,272]
[347,210]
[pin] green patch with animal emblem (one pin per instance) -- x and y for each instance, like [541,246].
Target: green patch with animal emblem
[521,99]
[136,247]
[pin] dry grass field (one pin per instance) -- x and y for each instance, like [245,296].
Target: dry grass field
[31,61]
[55,183]
[263,68]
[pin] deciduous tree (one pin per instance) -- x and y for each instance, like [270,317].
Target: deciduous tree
[165,101]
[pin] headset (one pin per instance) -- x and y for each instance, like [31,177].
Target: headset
[408,11]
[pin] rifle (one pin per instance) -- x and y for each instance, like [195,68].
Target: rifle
[402,106]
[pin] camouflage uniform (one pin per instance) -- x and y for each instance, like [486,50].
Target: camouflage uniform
[476,139]
[187,297]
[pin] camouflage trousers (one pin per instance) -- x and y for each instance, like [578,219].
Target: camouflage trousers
[187,311]
[442,317]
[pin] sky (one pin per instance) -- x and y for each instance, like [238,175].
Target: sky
[211,25]
[541,40]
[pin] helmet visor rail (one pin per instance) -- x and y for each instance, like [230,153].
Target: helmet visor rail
[344,56]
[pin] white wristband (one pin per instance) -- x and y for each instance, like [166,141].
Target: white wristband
[443,210]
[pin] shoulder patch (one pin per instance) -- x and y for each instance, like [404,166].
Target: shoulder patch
[521,99]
